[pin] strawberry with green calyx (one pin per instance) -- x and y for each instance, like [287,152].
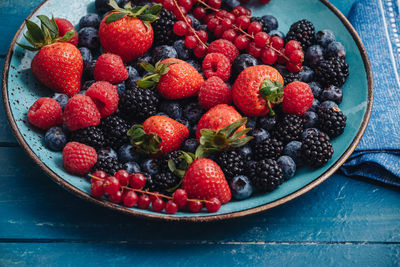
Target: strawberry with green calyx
[127,31]
[58,64]
[272,92]
[174,78]
[212,141]
[159,135]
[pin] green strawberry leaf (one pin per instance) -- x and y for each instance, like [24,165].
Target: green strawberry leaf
[145,84]
[136,131]
[115,16]
[155,10]
[28,47]
[147,67]
[52,27]
[148,17]
[239,134]
[67,36]
[35,31]
[114,5]
[242,141]
[272,91]
[128,5]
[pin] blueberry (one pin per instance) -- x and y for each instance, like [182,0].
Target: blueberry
[276,33]
[183,52]
[173,109]
[328,104]
[89,37]
[202,27]
[62,99]
[267,123]
[88,70]
[293,150]
[314,55]
[259,135]
[325,37]
[307,74]
[138,67]
[195,22]
[55,139]
[288,166]
[162,114]
[336,49]
[193,130]
[128,153]
[133,73]
[107,152]
[308,131]
[315,105]
[163,52]
[90,20]
[121,88]
[316,89]
[195,65]
[230,4]
[102,6]
[246,152]
[82,92]
[270,21]
[193,112]
[242,62]
[184,122]
[131,167]
[310,119]
[150,166]
[241,187]
[251,123]
[87,56]
[190,145]
[332,93]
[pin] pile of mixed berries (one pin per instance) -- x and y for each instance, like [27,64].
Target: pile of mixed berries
[182,104]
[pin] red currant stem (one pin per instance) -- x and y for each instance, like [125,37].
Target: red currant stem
[207,6]
[190,26]
[147,192]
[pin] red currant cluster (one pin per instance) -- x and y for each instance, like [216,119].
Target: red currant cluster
[128,190]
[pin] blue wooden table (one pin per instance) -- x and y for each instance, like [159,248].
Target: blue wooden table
[342,222]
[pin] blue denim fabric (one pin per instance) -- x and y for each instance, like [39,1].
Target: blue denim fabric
[378,154]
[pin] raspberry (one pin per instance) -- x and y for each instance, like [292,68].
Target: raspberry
[105,96]
[216,64]
[45,113]
[297,98]
[214,92]
[78,158]
[225,47]
[110,68]
[81,112]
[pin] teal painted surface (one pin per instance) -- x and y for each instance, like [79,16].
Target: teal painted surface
[24,90]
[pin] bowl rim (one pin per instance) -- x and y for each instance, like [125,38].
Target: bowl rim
[217,217]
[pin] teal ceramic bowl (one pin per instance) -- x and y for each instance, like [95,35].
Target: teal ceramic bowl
[21,89]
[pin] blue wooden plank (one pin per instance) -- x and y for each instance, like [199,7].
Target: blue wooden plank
[341,209]
[122,254]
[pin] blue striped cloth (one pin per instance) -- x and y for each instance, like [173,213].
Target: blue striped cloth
[378,154]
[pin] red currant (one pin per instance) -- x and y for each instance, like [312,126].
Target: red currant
[222,14]
[99,174]
[199,12]
[229,35]
[277,42]
[261,39]
[187,4]
[219,30]
[203,35]
[180,28]
[195,206]
[154,196]
[208,17]
[254,27]
[158,205]
[253,50]
[200,51]
[239,11]
[111,185]
[296,57]
[213,204]
[129,198]
[242,22]
[181,13]
[168,4]
[180,197]
[226,24]
[269,56]
[116,197]
[292,46]
[214,3]
[171,207]
[189,21]
[293,67]
[97,189]
[242,42]
[190,41]
[123,177]
[281,59]
[138,180]
[143,202]
[212,24]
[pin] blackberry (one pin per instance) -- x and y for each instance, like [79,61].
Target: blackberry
[91,136]
[268,176]
[332,71]
[268,149]
[316,149]
[231,163]
[161,182]
[289,128]
[163,28]
[174,155]
[108,165]
[138,103]
[302,31]
[261,21]
[290,77]
[115,129]
[331,121]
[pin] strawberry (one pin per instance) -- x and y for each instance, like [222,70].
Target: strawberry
[158,135]
[65,26]
[175,78]
[127,32]
[204,179]
[256,89]
[58,65]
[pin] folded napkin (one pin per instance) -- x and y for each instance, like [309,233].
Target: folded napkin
[378,154]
